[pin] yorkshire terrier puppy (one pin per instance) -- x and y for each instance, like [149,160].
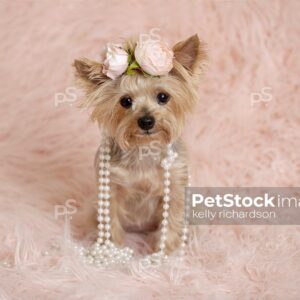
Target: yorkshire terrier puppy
[139,108]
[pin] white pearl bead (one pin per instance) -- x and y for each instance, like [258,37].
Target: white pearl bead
[167,182]
[166,198]
[166,190]
[163,238]
[166,206]
[167,174]
[165,214]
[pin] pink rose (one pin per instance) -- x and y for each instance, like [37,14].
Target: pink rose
[116,61]
[154,57]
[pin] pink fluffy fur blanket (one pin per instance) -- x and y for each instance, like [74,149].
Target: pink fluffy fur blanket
[47,146]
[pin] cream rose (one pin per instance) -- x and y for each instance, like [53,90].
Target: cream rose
[116,61]
[154,57]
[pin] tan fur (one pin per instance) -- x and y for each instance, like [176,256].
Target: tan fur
[137,182]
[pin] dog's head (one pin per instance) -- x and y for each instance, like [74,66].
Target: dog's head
[136,108]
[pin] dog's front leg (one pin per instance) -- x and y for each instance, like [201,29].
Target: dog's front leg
[117,231]
[179,181]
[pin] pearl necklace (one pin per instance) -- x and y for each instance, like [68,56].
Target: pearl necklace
[104,252]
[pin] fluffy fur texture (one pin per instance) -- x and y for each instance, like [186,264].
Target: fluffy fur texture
[47,152]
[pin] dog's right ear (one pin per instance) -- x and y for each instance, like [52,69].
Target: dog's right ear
[89,73]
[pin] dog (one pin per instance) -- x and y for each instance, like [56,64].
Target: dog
[141,111]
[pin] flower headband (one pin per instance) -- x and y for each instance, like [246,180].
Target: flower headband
[151,57]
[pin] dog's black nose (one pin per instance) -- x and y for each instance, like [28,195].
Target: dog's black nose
[146,122]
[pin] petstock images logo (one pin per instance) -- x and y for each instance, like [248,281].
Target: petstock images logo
[242,206]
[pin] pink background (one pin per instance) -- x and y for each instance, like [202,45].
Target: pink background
[47,152]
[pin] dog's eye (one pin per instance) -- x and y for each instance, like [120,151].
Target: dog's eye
[126,102]
[162,98]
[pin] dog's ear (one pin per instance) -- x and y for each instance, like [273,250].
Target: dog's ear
[190,53]
[89,73]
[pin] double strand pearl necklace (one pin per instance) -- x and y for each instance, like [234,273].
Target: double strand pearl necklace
[104,252]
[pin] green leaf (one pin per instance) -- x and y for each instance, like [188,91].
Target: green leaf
[134,65]
[130,72]
[129,58]
[132,68]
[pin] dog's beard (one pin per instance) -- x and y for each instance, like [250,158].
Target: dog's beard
[128,138]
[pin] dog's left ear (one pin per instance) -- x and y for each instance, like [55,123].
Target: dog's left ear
[89,73]
[190,53]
